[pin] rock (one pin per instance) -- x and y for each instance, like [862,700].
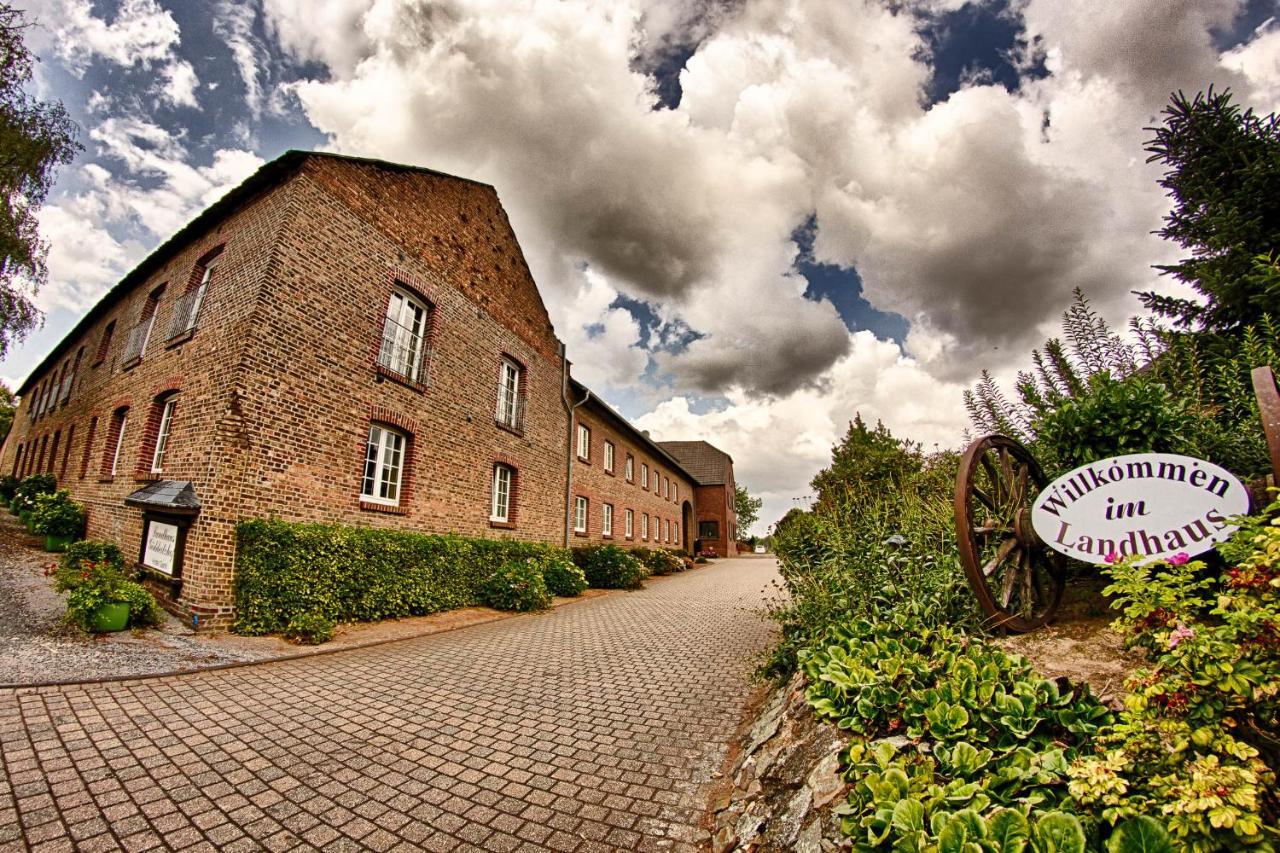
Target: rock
[767,725]
[793,818]
[721,801]
[824,781]
[810,840]
[749,827]
[723,840]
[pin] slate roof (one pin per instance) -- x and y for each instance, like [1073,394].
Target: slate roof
[176,496]
[707,464]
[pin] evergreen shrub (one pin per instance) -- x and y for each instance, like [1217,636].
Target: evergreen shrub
[563,577]
[517,585]
[610,567]
[360,574]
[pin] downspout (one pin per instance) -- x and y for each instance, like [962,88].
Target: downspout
[568,445]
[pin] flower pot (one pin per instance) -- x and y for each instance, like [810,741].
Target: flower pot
[28,521]
[57,543]
[112,616]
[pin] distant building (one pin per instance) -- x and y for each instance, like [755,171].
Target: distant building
[341,340]
[716,515]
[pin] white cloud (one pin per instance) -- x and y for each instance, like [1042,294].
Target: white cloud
[180,83]
[1259,61]
[142,32]
[233,22]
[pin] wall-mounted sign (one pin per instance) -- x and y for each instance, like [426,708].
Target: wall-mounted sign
[160,547]
[1151,505]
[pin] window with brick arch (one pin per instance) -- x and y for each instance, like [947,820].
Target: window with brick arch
[510,409]
[66,452]
[114,447]
[104,343]
[644,475]
[404,349]
[502,500]
[644,525]
[155,441]
[606,520]
[88,447]
[140,335]
[630,523]
[17,461]
[186,311]
[44,445]
[580,509]
[584,443]
[384,465]
[608,456]
[631,468]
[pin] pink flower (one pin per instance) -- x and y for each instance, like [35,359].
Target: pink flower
[1113,557]
[1179,559]
[1180,633]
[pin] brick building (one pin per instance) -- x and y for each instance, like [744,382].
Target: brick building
[336,339]
[716,515]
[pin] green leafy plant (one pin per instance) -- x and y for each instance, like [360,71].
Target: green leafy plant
[309,629]
[92,574]
[8,485]
[610,567]
[56,514]
[518,585]
[25,493]
[360,574]
[659,561]
[563,577]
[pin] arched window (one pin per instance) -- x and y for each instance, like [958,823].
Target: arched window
[155,441]
[115,442]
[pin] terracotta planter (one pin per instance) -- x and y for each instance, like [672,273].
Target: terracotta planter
[112,616]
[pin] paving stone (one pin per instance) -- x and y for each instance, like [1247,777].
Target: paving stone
[592,727]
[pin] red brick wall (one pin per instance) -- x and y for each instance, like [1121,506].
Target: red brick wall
[205,370]
[590,479]
[312,369]
[715,503]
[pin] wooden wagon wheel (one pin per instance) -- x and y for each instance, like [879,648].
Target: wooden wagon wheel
[1268,394]
[1017,578]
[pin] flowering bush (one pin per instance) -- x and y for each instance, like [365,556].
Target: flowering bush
[92,574]
[56,514]
[1198,741]
[517,585]
[562,576]
[25,493]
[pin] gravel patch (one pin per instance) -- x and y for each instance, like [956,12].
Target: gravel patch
[36,645]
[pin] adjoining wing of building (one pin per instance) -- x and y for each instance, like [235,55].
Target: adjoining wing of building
[343,340]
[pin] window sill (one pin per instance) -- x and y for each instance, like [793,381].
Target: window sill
[581,533]
[381,372]
[147,477]
[502,525]
[514,430]
[180,338]
[98,361]
[106,479]
[610,473]
[369,506]
[585,460]
[630,538]
[131,363]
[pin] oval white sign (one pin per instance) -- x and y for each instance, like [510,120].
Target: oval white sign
[1150,504]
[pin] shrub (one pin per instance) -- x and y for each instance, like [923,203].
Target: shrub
[360,574]
[92,574]
[660,561]
[24,494]
[518,585]
[8,485]
[309,629]
[563,577]
[610,567]
[56,514]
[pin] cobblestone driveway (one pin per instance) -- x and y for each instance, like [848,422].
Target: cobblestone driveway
[590,728]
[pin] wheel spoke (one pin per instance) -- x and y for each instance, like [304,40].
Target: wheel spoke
[1009,580]
[985,499]
[1028,597]
[1001,555]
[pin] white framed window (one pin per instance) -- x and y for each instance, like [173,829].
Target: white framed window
[631,468]
[675,491]
[196,298]
[404,336]
[508,413]
[115,453]
[666,530]
[579,514]
[383,466]
[606,520]
[608,456]
[656,481]
[644,525]
[629,520]
[666,487]
[644,475]
[675,532]
[162,436]
[584,442]
[503,477]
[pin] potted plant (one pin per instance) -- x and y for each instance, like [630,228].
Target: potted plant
[99,596]
[25,493]
[58,518]
[8,486]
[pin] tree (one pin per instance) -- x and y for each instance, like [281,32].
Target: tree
[8,405]
[35,138]
[747,507]
[1224,178]
[865,455]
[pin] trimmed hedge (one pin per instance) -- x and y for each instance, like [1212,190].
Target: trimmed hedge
[360,574]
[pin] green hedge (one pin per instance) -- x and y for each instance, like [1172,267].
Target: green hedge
[360,574]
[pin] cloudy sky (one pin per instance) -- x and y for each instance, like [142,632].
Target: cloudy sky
[750,218]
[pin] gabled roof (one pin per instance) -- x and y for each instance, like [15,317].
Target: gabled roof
[707,464]
[638,436]
[268,177]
